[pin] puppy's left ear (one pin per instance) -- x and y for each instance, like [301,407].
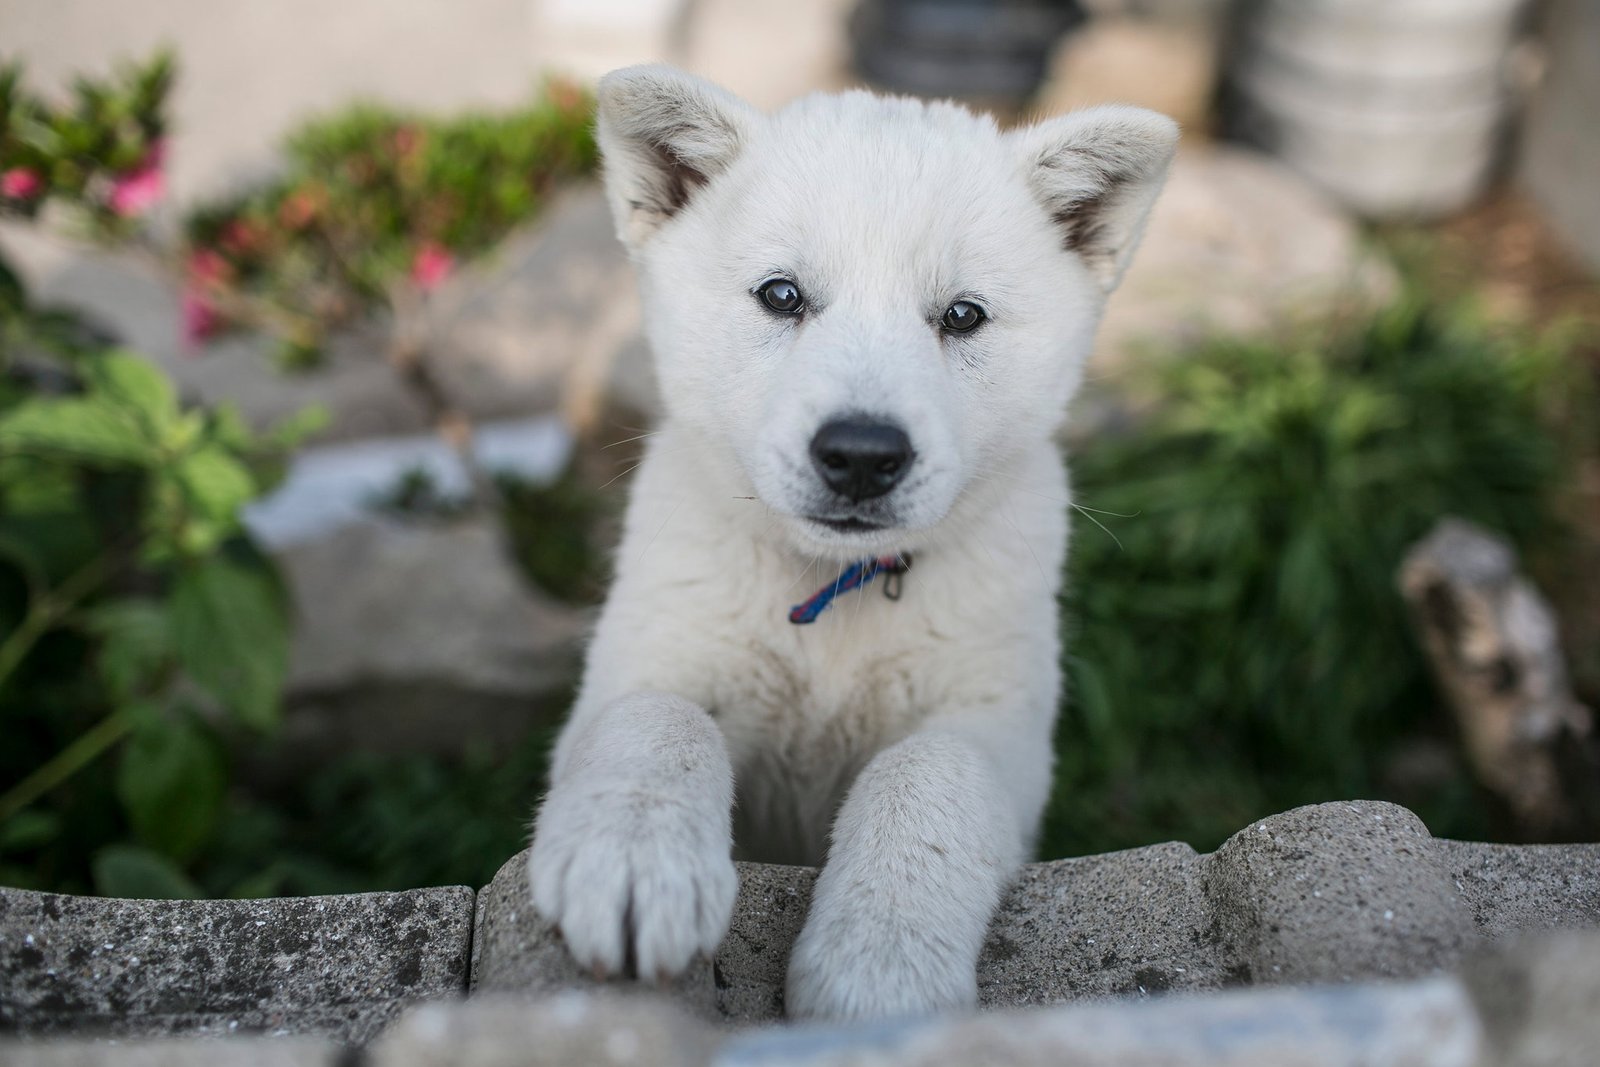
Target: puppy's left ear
[1097,173]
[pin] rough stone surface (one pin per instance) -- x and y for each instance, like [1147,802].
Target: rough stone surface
[606,1029]
[338,967]
[1514,890]
[515,951]
[1336,893]
[753,960]
[1332,893]
[417,634]
[1349,892]
[1131,923]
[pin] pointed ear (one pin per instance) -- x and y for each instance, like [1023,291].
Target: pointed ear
[1097,173]
[664,134]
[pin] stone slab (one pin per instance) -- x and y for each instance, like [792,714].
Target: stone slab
[594,1029]
[1131,923]
[420,635]
[1331,893]
[337,967]
[1336,893]
[175,1052]
[1540,1000]
[1428,1024]
[515,951]
[1523,889]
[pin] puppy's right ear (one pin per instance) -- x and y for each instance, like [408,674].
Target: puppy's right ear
[664,134]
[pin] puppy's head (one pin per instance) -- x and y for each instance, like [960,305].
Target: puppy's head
[874,303]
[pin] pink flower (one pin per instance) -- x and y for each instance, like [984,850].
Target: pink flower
[207,273]
[136,191]
[201,319]
[240,237]
[431,265]
[207,267]
[20,183]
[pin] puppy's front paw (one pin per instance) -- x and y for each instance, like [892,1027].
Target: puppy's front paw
[638,879]
[878,973]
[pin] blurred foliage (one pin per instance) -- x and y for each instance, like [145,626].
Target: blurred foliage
[1240,647]
[136,613]
[99,152]
[375,207]
[135,616]
[555,533]
[368,822]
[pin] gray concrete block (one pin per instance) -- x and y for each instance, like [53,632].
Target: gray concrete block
[515,951]
[1336,893]
[1540,1001]
[339,967]
[1426,1024]
[1124,923]
[174,1052]
[753,960]
[1524,889]
[595,1029]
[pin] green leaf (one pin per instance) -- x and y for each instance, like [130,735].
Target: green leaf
[216,484]
[82,427]
[230,634]
[134,872]
[135,643]
[171,782]
[29,829]
[135,384]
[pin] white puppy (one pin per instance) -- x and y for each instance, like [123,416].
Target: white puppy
[868,316]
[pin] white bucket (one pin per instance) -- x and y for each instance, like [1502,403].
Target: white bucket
[1394,106]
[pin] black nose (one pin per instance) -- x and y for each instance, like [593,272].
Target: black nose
[861,458]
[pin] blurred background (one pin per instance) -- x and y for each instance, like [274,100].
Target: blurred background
[321,383]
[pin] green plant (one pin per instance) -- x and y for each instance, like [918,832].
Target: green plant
[374,208]
[1240,647]
[135,616]
[99,152]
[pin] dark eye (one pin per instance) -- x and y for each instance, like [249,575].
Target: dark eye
[782,296]
[962,316]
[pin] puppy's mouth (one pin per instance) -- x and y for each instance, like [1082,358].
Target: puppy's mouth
[849,524]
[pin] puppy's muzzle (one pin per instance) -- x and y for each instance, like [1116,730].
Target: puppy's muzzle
[860,458]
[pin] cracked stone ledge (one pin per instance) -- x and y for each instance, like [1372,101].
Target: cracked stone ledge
[1327,899]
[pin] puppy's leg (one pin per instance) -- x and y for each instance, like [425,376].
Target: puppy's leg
[632,846]
[923,846]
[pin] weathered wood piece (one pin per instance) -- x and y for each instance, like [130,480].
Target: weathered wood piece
[1495,648]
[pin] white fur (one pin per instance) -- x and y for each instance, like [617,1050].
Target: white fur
[918,731]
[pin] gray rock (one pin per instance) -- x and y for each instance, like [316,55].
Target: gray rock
[1236,244]
[599,1029]
[1343,892]
[174,1052]
[1426,1024]
[752,962]
[338,967]
[417,635]
[1130,923]
[1538,1001]
[1336,893]
[548,320]
[1514,890]
[514,951]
